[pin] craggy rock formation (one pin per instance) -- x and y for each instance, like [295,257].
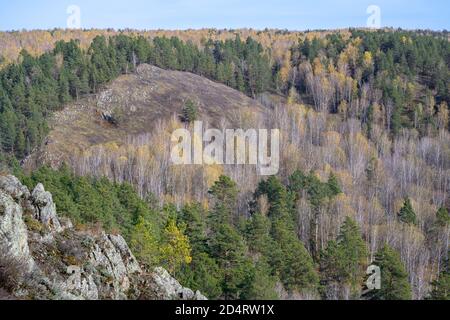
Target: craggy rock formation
[161,286]
[44,257]
[45,208]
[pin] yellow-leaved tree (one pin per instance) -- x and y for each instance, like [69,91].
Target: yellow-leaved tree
[176,249]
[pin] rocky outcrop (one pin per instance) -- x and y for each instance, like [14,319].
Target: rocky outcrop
[111,254]
[163,287]
[12,186]
[44,257]
[45,208]
[13,232]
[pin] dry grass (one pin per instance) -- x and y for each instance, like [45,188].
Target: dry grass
[12,270]
[143,99]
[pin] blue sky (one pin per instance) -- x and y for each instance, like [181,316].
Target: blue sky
[257,14]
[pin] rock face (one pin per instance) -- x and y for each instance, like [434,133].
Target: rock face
[12,186]
[44,258]
[164,287]
[45,208]
[13,232]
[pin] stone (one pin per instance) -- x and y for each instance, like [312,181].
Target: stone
[12,186]
[13,231]
[168,288]
[45,208]
[61,263]
[114,258]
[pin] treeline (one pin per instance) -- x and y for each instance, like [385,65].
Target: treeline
[242,65]
[37,86]
[398,79]
[395,79]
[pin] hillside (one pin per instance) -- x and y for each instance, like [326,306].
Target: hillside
[43,257]
[364,158]
[140,103]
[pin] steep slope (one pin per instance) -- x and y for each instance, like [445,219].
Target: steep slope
[43,257]
[136,104]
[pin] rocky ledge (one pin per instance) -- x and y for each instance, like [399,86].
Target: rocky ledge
[43,257]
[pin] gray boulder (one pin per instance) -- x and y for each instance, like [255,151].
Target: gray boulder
[160,285]
[111,255]
[13,232]
[12,186]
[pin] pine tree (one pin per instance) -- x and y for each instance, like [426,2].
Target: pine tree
[442,217]
[394,278]
[227,246]
[354,251]
[240,83]
[224,192]
[344,261]
[63,90]
[330,264]
[229,250]
[189,112]
[258,235]
[281,200]
[295,265]
[194,218]
[20,145]
[333,185]
[406,213]
[8,125]
[203,274]
[144,244]
[441,286]
[260,283]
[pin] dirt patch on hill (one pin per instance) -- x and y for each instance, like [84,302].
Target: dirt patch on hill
[136,103]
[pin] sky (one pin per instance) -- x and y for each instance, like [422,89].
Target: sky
[230,14]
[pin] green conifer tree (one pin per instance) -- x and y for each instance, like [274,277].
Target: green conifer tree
[394,278]
[406,213]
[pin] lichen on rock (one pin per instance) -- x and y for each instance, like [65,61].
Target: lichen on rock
[56,262]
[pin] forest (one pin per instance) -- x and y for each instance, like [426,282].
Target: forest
[365,174]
